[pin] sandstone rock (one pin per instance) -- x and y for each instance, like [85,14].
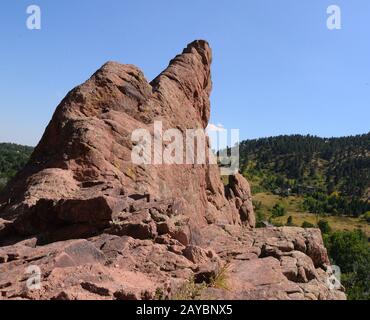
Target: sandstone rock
[81,172]
[207,272]
[182,234]
[100,227]
[317,251]
[62,296]
[4,228]
[240,187]
[137,230]
[289,268]
[93,288]
[196,254]
[126,295]
[176,249]
[239,190]
[166,227]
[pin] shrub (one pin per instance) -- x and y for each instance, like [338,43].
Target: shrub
[324,226]
[366,217]
[278,211]
[290,221]
[307,225]
[190,291]
[350,251]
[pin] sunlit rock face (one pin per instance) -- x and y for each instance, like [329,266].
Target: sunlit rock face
[100,226]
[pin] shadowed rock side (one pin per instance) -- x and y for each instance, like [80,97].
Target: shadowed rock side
[100,227]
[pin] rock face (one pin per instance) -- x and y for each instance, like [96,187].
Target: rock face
[100,227]
[81,175]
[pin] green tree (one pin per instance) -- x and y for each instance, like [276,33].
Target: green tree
[350,251]
[12,158]
[324,226]
[278,210]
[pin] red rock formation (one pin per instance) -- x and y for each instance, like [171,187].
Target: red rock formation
[81,175]
[146,229]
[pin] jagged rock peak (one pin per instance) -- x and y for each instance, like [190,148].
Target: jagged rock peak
[81,176]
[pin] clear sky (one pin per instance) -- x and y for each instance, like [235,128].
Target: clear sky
[277,68]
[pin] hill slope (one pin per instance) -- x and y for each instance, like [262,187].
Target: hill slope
[13,157]
[333,174]
[335,164]
[293,177]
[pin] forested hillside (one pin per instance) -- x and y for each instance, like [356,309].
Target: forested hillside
[310,182]
[12,158]
[333,174]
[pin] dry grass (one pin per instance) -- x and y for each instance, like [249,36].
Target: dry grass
[336,223]
[293,205]
[190,291]
[220,282]
[194,291]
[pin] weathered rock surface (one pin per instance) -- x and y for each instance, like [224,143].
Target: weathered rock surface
[100,227]
[81,175]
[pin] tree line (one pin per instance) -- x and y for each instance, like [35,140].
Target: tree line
[332,174]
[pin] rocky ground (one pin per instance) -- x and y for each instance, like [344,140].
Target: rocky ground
[97,226]
[271,263]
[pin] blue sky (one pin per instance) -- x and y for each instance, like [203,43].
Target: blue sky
[277,68]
